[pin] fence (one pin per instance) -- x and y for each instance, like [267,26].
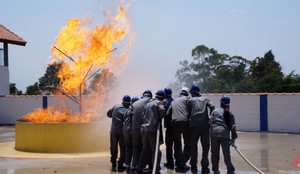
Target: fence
[253,112]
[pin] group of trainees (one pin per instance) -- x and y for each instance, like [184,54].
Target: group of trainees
[136,130]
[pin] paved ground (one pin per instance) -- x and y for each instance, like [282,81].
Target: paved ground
[270,152]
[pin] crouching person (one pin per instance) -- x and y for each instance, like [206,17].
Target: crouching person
[153,113]
[222,123]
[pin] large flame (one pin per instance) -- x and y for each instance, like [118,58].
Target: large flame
[83,50]
[89,49]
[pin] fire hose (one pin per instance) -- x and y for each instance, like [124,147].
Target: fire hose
[241,154]
[156,149]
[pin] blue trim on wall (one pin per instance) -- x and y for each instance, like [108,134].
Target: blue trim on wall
[264,112]
[45,102]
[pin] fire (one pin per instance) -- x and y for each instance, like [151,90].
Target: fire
[90,49]
[84,49]
[53,115]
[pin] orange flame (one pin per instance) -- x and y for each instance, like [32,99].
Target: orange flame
[88,49]
[52,115]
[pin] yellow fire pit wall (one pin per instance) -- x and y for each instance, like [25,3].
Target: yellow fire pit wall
[61,137]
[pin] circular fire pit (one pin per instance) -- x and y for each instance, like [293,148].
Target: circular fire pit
[61,137]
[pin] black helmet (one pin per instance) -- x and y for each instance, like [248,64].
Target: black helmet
[160,94]
[126,99]
[195,89]
[168,91]
[133,99]
[225,100]
[147,93]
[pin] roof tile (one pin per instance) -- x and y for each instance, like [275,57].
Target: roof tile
[10,37]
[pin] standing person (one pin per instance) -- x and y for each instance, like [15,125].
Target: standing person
[180,124]
[169,139]
[222,122]
[153,113]
[199,125]
[116,133]
[127,132]
[138,108]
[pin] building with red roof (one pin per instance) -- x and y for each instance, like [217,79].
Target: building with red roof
[6,37]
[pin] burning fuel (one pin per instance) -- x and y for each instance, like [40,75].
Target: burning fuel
[53,115]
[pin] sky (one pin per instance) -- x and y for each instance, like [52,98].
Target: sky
[165,32]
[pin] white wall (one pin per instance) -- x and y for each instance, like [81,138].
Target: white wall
[245,108]
[283,109]
[284,113]
[4,80]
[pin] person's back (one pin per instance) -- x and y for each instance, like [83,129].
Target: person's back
[199,128]
[222,122]
[180,125]
[179,108]
[138,108]
[219,127]
[117,113]
[198,111]
[116,132]
[153,113]
[152,116]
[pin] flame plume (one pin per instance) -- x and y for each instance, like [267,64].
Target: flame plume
[83,49]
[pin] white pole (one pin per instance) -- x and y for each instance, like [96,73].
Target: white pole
[156,149]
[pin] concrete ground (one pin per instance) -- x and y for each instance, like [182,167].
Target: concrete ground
[270,152]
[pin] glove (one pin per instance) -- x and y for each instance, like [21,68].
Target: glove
[234,135]
[231,142]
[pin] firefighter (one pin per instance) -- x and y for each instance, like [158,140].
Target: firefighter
[116,133]
[153,113]
[180,125]
[127,132]
[137,109]
[222,123]
[169,140]
[199,126]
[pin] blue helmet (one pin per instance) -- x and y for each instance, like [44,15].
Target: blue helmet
[168,91]
[225,100]
[195,89]
[133,99]
[147,93]
[160,94]
[126,99]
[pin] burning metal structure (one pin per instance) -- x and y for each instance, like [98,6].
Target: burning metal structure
[87,50]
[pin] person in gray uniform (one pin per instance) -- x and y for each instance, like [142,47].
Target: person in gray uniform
[169,140]
[222,122]
[180,125]
[127,133]
[199,126]
[116,133]
[154,112]
[137,109]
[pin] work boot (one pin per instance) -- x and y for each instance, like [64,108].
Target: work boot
[121,167]
[217,172]
[169,165]
[182,168]
[194,169]
[205,171]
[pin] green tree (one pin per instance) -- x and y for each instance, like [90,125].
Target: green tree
[214,72]
[33,89]
[291,83]
[266,74]
[49,82]
[102,82]
[13,90]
